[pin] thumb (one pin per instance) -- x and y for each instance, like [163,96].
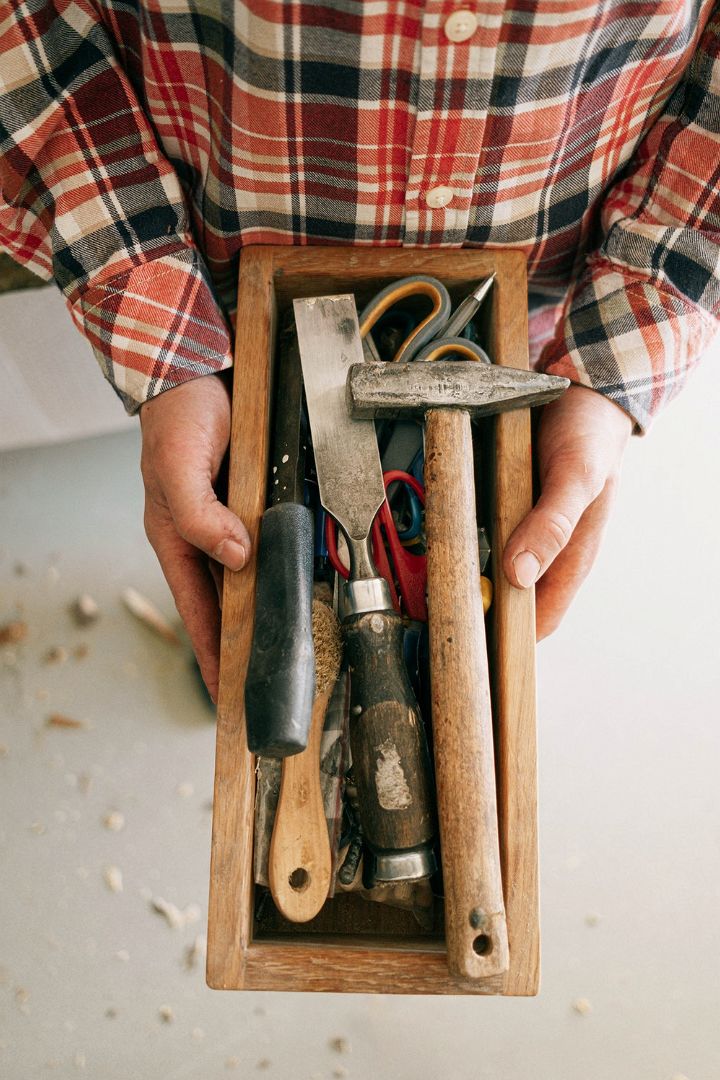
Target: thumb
[568,489]
[200,517]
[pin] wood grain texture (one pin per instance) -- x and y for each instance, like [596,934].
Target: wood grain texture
[514,687]
[475,928]
[270,278]
[231,885]
[300,861]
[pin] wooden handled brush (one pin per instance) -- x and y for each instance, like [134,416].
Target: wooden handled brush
[300,863]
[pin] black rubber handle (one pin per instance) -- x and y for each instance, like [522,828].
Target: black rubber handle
[391,763]
[280,683]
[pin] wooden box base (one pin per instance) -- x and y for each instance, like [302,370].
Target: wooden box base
[354,945]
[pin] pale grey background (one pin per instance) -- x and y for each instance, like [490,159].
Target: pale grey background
[629,793]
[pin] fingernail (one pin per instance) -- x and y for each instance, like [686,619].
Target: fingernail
[527,568]
[230,554]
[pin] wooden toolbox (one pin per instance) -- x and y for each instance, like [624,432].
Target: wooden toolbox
[354,945]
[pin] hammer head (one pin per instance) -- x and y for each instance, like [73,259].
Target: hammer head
[377,391]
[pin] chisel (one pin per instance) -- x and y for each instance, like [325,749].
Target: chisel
[391,762]
[280,683]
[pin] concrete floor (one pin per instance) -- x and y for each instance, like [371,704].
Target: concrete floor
[96,982]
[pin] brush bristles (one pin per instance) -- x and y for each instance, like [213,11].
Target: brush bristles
[327,640]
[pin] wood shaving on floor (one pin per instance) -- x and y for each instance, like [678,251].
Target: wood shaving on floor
[174,916]
[60,720]
[339,1044]
[84,610]
[114,821]
[57,655]
[12,633]
[195,954]
[582,1006]
[139,606]
[113,878]
[166,1014]
[185,790]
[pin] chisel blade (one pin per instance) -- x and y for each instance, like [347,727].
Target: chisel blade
[346,451]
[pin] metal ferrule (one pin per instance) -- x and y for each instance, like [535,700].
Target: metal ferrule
[366,594]
[389,867]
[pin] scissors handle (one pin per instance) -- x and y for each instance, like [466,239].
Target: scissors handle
[452,348]
[409,288]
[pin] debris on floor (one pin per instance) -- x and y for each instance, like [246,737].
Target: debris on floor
[166,1014]
[114,821]
[59,720]
[339,1044]
[582,1006]
[175,917]
[592,918]
[195,954]
[113,878]
[58,654]
[185,790]
[85,610]
[148,614]
[12,633]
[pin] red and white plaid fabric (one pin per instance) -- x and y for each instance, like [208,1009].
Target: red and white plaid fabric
[142,145]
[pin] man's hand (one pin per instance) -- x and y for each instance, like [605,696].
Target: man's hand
[581,442]
[185,436]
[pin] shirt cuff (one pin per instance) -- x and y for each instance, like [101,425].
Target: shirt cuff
[154,326]
[628,339]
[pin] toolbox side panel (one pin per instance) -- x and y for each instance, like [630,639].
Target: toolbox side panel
[231,885]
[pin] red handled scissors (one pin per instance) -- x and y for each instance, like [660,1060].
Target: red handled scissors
[407,576]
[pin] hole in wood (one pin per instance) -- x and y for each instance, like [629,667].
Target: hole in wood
[482,945]
[299,879]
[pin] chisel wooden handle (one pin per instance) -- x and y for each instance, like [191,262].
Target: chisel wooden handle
[391,763]
[300,861]
[475,926]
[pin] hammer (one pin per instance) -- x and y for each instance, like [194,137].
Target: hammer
[447,394]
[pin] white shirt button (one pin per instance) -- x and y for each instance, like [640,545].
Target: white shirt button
[439,197]
[461,25]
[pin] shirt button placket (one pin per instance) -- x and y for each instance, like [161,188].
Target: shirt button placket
[445,149]
[460,25]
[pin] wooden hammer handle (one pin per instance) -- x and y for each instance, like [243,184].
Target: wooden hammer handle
[475,926]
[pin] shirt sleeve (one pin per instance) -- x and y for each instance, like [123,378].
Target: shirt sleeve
[647,303]
[87,197]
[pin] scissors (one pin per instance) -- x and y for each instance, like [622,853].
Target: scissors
[422,336]
[407,574]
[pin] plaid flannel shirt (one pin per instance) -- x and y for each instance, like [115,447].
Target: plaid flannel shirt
[143,144]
